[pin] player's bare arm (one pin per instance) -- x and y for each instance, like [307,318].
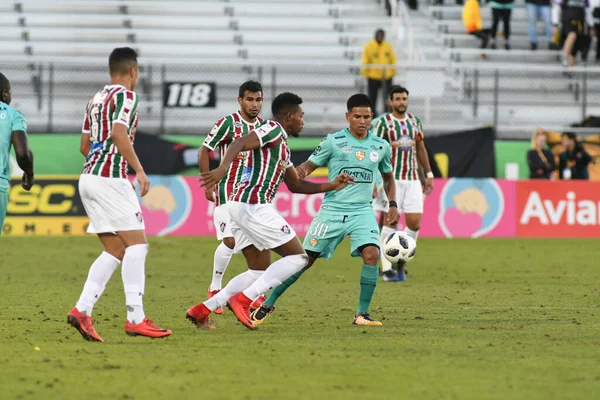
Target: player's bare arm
[246,143]
[389,184]
[423,159]
[298,185]
[84,144]
[203,165]
[125,148]
[24,157]
[305,169]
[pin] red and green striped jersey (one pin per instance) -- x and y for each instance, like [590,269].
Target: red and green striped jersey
[225,131]
[265,166]
[403,135]
[112,105]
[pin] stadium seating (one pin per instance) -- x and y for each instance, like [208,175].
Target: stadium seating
[533,90]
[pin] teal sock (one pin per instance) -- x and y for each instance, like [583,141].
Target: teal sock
[368,281]
[279,290]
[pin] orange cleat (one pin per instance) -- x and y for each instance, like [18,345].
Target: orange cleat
[257,302]
[146,328]
[211,293]
[198,314]
[84,325]
[240,305]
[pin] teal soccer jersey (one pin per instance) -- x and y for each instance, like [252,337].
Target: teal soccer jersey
[10,120]
[348,212]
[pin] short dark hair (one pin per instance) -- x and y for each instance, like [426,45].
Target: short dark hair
[284,103]
[121,60]
[4,83]
[250,86]
[378,31]
[358,100]
[397,89]
[570,135]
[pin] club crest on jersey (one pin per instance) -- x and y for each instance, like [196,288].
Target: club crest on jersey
[281,165]
[285,229]
[139,216]
[222,226]
[374,156]
[313,242]
[237,124]
[404,143]
[360,155]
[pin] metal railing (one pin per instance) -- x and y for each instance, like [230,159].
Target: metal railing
[448,96]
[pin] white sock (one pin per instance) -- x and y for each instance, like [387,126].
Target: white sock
[411,233]
[277,272]
[133,273]
[99,275]
[236,285]
[222,256]
[385,232]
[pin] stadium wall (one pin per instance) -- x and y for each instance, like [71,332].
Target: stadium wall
[49,148]
[460,207]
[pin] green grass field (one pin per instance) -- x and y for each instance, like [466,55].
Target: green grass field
[483,319]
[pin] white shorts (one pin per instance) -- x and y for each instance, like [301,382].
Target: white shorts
[409,196]
[222,222]
[111,204]
[259,225]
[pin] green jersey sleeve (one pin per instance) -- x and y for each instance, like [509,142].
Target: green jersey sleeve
[322,153]
[18,122]
[385,165]
[269,133]
[218,134]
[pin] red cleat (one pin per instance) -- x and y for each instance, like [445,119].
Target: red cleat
[211,293]
[84,325]
[257,302]
[198,314]
[146,328]
[240,305]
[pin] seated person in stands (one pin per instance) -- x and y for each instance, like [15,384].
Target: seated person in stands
[471,16]
[574,160]
[575,17]
[540,159]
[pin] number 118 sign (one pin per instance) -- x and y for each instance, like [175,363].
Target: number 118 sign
[189,94]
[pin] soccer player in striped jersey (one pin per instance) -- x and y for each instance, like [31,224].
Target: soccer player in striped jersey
[224,132]
[404,132]
[110,201]
[256,225]
[13,132]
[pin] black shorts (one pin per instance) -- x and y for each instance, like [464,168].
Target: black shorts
[572,20]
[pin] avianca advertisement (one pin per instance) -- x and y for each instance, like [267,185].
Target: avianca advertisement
[457,208]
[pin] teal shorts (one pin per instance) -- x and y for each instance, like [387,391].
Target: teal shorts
[3,207]
[328,229]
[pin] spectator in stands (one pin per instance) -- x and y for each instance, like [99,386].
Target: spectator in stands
[574,15]
[574,160]
[378,51]
[540,159]
[537,9]
[501,9]
[471,16]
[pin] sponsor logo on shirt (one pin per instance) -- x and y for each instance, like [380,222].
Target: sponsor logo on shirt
[374,156]
[404,143]
[360,175]
[246,174]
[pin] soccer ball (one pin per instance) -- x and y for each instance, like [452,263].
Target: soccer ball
[398,247]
